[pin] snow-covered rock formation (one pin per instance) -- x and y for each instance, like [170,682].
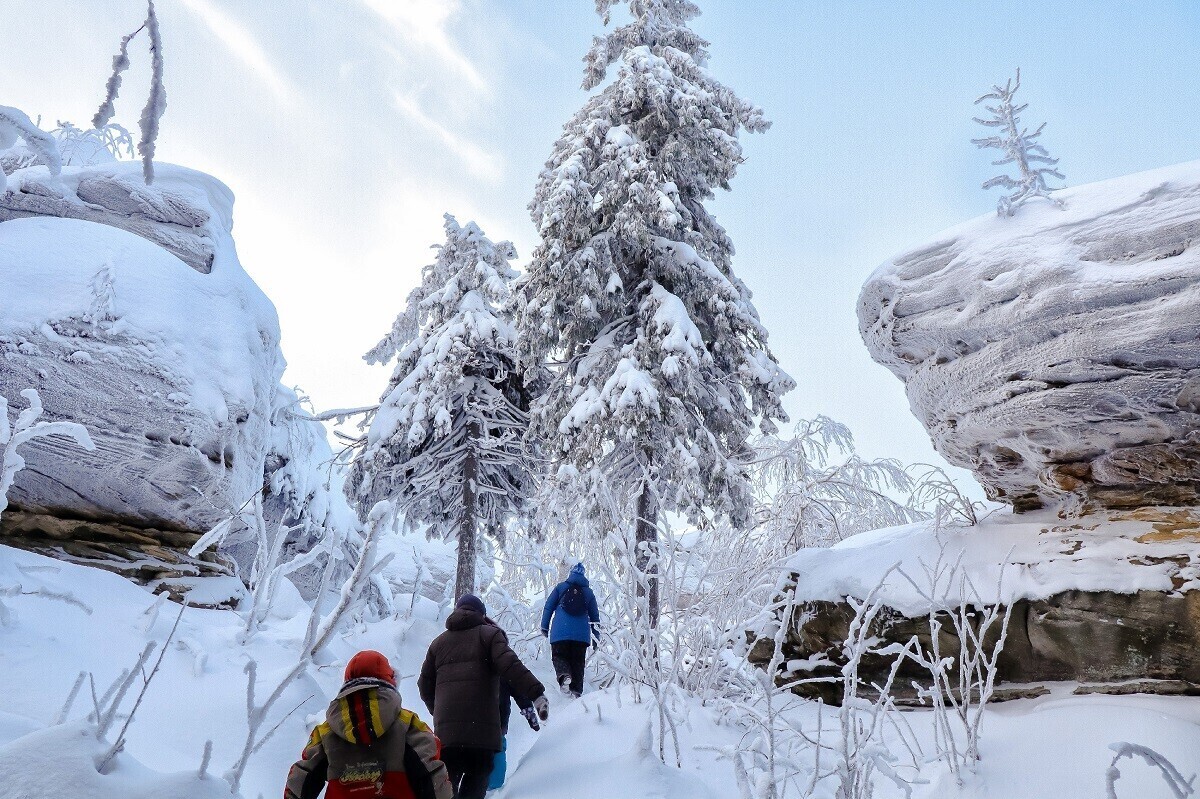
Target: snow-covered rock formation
[126,307]
[1110,600]
[1056,353]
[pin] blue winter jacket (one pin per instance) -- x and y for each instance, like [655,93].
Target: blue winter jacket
[562,626]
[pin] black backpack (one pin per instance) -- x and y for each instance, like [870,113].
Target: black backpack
[574,600]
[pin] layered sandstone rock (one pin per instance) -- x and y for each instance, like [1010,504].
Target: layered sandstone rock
[1109,600]
[126,308]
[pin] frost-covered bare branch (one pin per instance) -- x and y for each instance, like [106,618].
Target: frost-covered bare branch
[112,88]
[962,683]
[26,428]
[1180,788]
[156,102]
[813,489]
[379,520]
[119,743]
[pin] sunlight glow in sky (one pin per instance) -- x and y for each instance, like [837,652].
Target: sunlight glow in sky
[346,128]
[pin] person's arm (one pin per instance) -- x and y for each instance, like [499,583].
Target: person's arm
[548,611]
[307,777]
[427,682]
[423,766]
[593,617]
[510,668]
[506,697]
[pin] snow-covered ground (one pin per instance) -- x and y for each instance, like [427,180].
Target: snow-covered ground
[1054,746]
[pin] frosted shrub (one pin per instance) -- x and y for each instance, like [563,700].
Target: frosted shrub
[80,147]
[806,495]
[962,682]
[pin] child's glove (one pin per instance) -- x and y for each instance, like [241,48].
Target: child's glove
[542,706]
[531,717]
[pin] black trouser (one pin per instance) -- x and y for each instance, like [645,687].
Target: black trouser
[569,657]
[470,768]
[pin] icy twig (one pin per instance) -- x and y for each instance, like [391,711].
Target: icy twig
[66,708]
[205,759]
[110,714]
[156,102]
[1175,781]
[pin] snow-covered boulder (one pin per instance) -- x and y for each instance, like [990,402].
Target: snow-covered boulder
[1057,353]
[1110,600]
[172,365]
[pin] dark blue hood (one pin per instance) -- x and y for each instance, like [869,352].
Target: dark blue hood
[577,577]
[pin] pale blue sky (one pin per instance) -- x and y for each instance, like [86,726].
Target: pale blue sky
[346,127]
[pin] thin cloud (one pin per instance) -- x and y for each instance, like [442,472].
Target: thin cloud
[478,160]
[243,45]
[423,22]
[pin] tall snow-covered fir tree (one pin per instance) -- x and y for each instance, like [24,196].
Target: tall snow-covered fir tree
[660,368]
[446,443]
[1032,159]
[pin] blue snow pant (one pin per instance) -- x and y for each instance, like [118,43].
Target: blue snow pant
[499,766]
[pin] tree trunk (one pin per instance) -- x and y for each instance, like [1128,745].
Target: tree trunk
[468,533]
[646,543]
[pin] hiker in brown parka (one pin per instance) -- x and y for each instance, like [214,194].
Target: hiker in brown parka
[460,684]
[369,746]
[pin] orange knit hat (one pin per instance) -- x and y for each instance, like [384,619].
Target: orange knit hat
[369,663]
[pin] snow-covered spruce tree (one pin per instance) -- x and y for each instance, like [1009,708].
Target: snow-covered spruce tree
[447,442]
[1033,161]
[660,365]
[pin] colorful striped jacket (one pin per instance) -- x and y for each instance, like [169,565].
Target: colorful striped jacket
[369,747]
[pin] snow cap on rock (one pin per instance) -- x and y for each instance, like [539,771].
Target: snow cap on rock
[471,602]
[369,663]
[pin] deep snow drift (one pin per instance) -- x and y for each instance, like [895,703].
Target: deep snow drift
[1054,353]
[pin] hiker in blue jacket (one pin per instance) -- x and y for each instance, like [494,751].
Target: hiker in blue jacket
[571,619]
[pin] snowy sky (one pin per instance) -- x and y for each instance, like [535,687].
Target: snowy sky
[347,127]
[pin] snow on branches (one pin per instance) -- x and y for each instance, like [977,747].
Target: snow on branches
[27,428]
[1033,161]
[665,368]
[447,442]
[15,124]
[156,101]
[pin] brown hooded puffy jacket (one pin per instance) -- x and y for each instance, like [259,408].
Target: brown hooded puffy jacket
[460,680]
[369,747]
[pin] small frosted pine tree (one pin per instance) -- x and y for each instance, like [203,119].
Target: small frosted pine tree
[1033,161]
[447,442]
[659,366]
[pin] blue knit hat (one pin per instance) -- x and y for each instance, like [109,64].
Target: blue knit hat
[472,602]
[578,569]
